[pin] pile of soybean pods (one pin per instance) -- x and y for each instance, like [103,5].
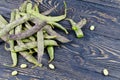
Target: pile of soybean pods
[30,31]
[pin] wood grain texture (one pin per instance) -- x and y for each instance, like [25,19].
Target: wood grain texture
[82,59]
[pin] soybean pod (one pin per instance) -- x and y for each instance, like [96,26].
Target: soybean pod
[59,26]
[29,7]
[35,8]
[79,33]
[31,38]
[51,32]
[11,42]
[3,22]
[49,37]
[49,18]
[46,36]
[23,6]
[25,46]
[50,43]
[33,44]
[28,26]
[26,40]
[40,45]
[50,50]
[18,29]
[76,29]
[13,24]
[29,32]
[30,58]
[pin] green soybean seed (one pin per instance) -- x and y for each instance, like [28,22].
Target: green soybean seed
[14,73]
[40,45]
[23,66]
[105,72]
[92,28]
[51,66]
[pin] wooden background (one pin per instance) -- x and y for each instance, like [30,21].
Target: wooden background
[82,59]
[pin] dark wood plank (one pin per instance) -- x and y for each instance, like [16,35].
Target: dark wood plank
[82,59]
[110,3]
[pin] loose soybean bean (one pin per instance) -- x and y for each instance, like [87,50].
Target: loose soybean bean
[14,73]
[51,66]
[92,27]
[105,72]
[23,66]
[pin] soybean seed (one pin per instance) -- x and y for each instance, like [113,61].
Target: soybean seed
[51,66]
[92,28]
[14,73]
[105,72]
[23,66]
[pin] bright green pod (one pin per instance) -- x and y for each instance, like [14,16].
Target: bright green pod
[48,18]
[59,26]
[50,50]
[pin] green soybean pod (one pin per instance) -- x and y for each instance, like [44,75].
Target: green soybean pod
[23,6]
[50,50]
[33,44]
[77,28]
[13,24]
[71,21]
[36,8]
[18,29]
[59,37]
[40,45]
[29,7]
[29,32]
[3,22]
[50,43]
[49,37]
[79,33]
[26,40]
[11,42]
[49,18]
[28,26]
[59,26]
[30,58]
[25,46]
